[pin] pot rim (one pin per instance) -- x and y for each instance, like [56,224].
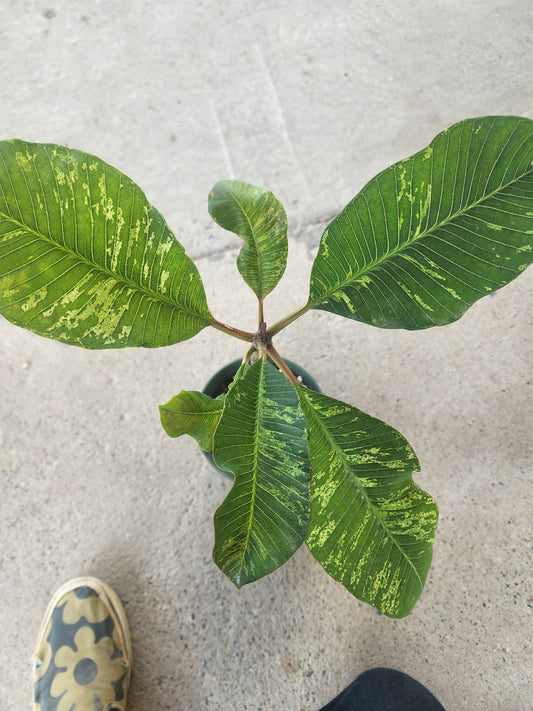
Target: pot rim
[232,367]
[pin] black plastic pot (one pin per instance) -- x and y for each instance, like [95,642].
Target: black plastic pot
[219,383]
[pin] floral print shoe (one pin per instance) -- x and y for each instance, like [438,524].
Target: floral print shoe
[83,657]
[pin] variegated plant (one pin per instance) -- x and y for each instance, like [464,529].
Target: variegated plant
[85,259]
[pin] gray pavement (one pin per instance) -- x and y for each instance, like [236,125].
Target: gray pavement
[309,99]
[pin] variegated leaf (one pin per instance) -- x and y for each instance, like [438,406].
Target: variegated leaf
[262,439]
[85,258]
[372,528]
[258,217]
[432,234]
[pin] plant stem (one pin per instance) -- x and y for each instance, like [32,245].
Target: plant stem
[278,360]
[282,323]
[261,313]
[235,332]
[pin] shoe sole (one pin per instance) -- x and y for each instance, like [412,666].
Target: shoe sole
[108,597]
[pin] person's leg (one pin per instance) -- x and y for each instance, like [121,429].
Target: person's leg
[384,690]
[83,656]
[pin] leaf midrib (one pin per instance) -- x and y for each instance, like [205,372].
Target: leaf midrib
[253,494]
[407,245]
[119,278]
[254,243]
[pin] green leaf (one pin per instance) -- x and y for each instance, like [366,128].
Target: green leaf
[257,216]
[430,235]
[372,528]
[85,259]
[192,413]
[262,439]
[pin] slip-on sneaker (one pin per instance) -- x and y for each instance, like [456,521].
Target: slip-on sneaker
[83,656]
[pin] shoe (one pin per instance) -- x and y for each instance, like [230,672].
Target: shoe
[83,656]
[386,690]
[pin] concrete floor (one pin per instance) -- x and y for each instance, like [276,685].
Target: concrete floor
[310,99]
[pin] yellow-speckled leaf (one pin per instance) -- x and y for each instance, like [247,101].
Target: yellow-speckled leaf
[85,259]
[372,528]
[262,439]
[258,217]
[429,236]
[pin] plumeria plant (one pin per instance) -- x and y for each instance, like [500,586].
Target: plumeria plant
[86,260]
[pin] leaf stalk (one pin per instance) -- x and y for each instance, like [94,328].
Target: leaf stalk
[282,323]
[261,313]
[278,360]
[232,331]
